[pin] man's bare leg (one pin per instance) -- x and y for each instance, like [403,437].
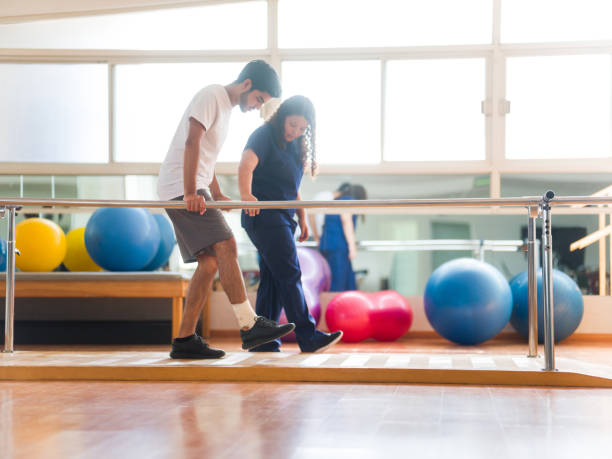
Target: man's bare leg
[230,274]
[197,292]
[232,281]
[254,331]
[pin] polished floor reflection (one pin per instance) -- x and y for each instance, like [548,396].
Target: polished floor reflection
[94,419]
[271,420]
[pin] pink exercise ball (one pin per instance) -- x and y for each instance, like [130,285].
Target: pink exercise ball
[350,312]
[391,315]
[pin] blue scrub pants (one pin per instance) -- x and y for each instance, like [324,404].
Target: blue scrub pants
[280,282]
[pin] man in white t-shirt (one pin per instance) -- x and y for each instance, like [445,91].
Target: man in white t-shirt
[188,174]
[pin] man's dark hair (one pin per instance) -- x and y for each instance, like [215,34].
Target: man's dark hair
[263,77]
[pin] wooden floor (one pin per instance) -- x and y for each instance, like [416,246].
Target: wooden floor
[104,419]
[430,361]
[283,420]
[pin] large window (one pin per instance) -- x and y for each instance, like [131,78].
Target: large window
[495,87]
[561,107]
[54,113]
[234,25]
[346,95]
[359,23]
[555,20]
[151,99]
[433,110]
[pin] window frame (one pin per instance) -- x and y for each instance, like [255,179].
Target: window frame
[495,54]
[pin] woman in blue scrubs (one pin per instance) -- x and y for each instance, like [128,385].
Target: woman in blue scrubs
[271,169]
[337,243]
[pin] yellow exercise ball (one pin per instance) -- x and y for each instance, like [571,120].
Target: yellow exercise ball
[77,258]
[41,243]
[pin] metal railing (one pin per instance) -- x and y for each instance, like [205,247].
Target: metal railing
[536,207]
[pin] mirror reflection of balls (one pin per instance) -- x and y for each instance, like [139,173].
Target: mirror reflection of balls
[41,243]
[467,301]
[568,305]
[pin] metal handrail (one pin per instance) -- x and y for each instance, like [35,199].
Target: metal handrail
[526,201]
[535,206]
[224,205]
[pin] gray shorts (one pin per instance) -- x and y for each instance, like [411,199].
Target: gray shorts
[195,233]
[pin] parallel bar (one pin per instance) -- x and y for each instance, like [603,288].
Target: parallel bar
[465,202]
[532,284]
[547,284]
[9,304]
[544,203]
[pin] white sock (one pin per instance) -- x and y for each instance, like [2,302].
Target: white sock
[245,314]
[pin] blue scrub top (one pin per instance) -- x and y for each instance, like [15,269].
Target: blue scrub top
[278,174]
[333,235]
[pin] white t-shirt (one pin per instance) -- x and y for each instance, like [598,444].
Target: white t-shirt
[212,108]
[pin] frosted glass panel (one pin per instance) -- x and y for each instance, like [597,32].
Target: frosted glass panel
[346,96]
[349,23]
[536,184]
[433,110]
[555,20]
[141,187]
[151,99]
[560,107]
[240,25]
[38,186]
[101,187]
[10,187]
[54,113]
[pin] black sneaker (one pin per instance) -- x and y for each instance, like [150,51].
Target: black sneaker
[326,341]
[195,348]
[264,331]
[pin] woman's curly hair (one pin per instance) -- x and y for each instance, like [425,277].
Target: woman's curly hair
[301,106]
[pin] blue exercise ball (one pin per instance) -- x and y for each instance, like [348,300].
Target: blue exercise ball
[568,305]
[122,239]
[2,255]
[467,301]
[166,244]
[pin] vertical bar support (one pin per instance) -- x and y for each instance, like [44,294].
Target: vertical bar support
[547,284]
[9,304]
[608,277]
[532,273]
[602,257]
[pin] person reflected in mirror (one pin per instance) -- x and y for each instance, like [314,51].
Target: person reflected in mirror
[337,243]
